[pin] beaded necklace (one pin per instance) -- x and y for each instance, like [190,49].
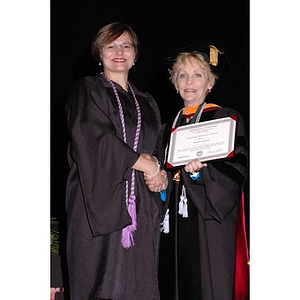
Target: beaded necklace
[127,232]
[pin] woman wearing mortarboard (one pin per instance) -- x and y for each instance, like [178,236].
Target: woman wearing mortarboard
[204,255]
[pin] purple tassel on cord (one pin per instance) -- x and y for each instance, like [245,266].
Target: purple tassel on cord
[127,233]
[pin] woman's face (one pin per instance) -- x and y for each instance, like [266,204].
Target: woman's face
[192,83]
[119,55]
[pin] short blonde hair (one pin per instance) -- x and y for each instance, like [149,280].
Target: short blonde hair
[195,57]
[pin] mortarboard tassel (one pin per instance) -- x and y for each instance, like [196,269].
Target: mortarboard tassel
[213,55]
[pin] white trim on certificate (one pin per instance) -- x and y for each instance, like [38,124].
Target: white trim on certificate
[207,141]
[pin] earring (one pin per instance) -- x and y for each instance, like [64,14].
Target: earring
[177,91]
[209,90]
[100,63]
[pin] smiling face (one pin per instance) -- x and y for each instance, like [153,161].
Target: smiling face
[193,82]
[118,56]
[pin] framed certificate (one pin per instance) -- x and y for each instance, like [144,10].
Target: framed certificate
[207,141]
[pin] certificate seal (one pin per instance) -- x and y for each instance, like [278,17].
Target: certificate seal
[199,153]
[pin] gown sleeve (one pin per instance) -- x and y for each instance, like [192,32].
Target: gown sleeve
[103,160]
[218,190]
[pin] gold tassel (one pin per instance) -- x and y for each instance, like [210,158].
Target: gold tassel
[213,55]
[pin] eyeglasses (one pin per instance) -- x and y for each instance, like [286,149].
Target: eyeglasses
[114,47]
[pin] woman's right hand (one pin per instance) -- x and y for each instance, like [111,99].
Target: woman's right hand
[157,183]
[155,179]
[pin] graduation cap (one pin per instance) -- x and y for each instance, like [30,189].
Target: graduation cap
[217,60]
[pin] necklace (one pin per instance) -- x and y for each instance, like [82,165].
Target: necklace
[195,118]
[127,232]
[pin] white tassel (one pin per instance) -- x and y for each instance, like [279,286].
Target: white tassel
[165,225]
[183,209]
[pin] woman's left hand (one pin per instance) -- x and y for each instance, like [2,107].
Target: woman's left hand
[194,166]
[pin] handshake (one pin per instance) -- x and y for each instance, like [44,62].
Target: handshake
[155,178]
[157,181]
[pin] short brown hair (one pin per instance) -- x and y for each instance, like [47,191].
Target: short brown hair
[109,33]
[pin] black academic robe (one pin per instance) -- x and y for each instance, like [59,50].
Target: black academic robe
[100,164]
[204,243]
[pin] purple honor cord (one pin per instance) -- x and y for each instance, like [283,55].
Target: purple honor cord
[127,232]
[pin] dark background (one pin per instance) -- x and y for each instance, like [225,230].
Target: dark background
[161,26]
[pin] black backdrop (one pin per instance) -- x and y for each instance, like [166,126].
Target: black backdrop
[161,27]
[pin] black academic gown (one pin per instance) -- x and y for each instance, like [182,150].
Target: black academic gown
[204,243]
[100,163]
